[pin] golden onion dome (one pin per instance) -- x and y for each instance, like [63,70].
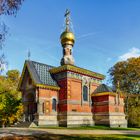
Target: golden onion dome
[67,37]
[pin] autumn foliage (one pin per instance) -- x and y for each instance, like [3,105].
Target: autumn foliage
[127,73]
[10,99]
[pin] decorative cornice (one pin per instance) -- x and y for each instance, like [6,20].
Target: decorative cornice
[76,70]
[47,86]
[104,93]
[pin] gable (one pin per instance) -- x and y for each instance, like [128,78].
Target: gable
[38,73]
[25,76]
[103,88]
[27,81]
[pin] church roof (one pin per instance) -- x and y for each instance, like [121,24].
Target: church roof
[102,88]
[39,73]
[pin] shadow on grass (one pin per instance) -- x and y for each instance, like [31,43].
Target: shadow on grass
[97,127]
[100,127]
[73,137]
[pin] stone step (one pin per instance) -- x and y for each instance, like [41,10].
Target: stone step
[23,124]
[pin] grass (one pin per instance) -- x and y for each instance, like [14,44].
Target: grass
[75,137]
[103,128]
[99,127]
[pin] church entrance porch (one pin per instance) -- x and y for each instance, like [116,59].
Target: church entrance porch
[30,107]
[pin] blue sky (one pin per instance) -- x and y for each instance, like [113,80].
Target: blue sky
[106,31]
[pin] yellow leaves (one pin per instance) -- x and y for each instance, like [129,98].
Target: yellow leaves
[19,112]
[12,119]
[10,104]
[128,75]
[1,107]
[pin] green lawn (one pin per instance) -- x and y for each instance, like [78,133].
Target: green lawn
[103,128]
[92,128]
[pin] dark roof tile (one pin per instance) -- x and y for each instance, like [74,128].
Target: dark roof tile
[41,73]
[103,88]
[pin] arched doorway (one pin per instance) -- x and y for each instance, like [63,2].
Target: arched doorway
[30,106]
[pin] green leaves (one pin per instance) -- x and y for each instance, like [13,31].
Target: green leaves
[128,75]
[134,111]
[10,98]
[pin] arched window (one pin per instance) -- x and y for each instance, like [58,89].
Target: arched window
[54,104]
[85,93]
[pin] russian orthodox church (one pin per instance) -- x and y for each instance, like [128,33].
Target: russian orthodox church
[68,95]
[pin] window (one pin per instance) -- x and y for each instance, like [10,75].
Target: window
[43,108]
[54,104]
[92,103]
[85,93]
[30,81]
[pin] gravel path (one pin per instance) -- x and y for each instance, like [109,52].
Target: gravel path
[37,131]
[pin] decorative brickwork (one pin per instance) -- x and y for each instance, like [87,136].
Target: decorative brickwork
[77,70]
[108,108]
[74,97]
[68,95]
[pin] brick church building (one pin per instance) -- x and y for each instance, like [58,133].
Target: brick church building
[68,95]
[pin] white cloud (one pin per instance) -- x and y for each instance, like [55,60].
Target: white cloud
[133,52]
[86,35]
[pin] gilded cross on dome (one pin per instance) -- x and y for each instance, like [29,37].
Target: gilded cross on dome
[67,21]
[67,40]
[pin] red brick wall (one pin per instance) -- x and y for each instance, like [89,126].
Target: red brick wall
[101,108]
[74,89]
[109,106]
[63,89]
[100,98]
[116,106]
[47,95]
[93,87]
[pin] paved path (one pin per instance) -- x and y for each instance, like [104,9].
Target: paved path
[37,131]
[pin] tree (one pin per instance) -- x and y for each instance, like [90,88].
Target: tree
[3,33]
[7,7]
[13,76]
[10,7]
[10,99]
[134,110]
[127,73]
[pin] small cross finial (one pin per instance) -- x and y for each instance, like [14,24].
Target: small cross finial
[67,13]
[29,54]
[67,20]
